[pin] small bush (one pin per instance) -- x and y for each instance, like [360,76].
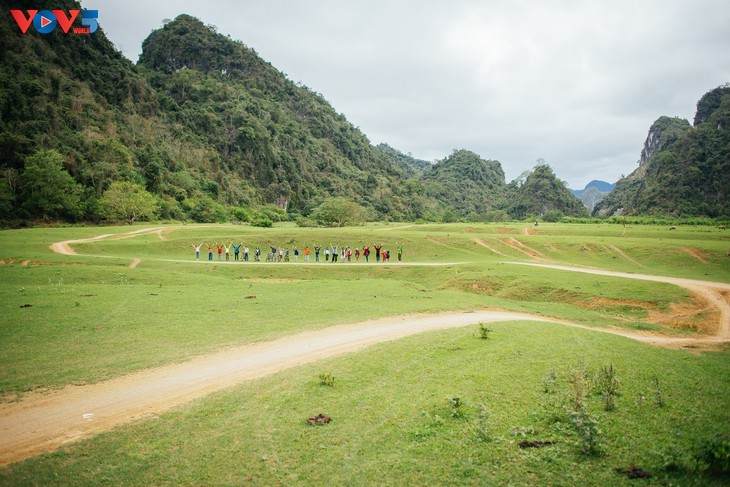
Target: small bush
[456,407]
[549,382]
[586,427]
[482,428]
[484,331]
[262,222]
[607,386]
[658,393]
[713,455]
[326,379]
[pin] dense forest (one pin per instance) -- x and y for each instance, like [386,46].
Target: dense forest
[203,129]
[684,170]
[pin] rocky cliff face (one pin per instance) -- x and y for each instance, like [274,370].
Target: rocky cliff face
[683,170]
[663,133]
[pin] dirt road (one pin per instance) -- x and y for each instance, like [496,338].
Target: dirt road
[44,421]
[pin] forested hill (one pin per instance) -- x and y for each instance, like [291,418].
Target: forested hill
[276,142]
[684,170]
[204,129]
[202,123]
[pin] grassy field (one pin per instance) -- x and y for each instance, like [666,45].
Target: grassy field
[85,318]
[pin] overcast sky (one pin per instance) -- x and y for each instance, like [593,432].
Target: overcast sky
[576,83]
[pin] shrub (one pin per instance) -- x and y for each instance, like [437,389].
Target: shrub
[607,386]
[713,454]
[339,212]
[326,379]
[262,222]
[484,331]
[456,405]
[586,427]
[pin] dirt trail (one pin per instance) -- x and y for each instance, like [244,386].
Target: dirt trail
[716,293]
[45,421]
[624,255]
[484,244]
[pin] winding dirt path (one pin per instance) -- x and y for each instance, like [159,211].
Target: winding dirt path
[45,421]
[716,293]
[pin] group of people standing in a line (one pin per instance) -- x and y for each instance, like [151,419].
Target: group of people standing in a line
[330,253]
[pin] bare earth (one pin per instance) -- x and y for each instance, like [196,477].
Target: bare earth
[44,421]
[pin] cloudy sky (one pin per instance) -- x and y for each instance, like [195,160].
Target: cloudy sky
[576,83]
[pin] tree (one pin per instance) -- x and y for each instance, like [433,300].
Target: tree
[49,188]
[127,201]
[339,212]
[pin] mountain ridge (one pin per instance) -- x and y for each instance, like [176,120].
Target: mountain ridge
[213,131]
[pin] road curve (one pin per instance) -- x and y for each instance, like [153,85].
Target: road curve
[44,421]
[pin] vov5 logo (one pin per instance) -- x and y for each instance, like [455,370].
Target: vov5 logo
[46,21]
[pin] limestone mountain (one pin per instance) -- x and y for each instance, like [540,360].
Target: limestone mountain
[466,184]
[593,193]
[543,194]
[684,170]
[279,141]
[202,122]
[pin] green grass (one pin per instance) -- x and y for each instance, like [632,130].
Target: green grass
[82,319]
[97,318]
[392,421]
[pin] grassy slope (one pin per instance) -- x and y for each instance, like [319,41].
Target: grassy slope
[97,318]
[392,422]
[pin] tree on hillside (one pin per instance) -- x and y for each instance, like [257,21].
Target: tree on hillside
[543,194]
[339,212]
[127,201]
[48,188]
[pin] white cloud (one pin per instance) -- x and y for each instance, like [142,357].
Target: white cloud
[577,83]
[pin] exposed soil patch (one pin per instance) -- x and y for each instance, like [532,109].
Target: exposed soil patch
[135,263]
[274,280]
[534,443]
[696,254]
[485,245]
[319,419]
[623,254]
[634,472]
[529,231]
[520,247]
[697,315]
[615,304]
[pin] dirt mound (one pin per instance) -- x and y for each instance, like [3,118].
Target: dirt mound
[319,419]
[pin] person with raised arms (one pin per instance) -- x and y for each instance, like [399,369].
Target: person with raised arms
[197,251]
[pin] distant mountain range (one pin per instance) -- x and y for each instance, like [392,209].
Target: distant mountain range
[593,193]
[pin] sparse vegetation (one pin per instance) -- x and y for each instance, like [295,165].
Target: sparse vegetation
[326,379]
